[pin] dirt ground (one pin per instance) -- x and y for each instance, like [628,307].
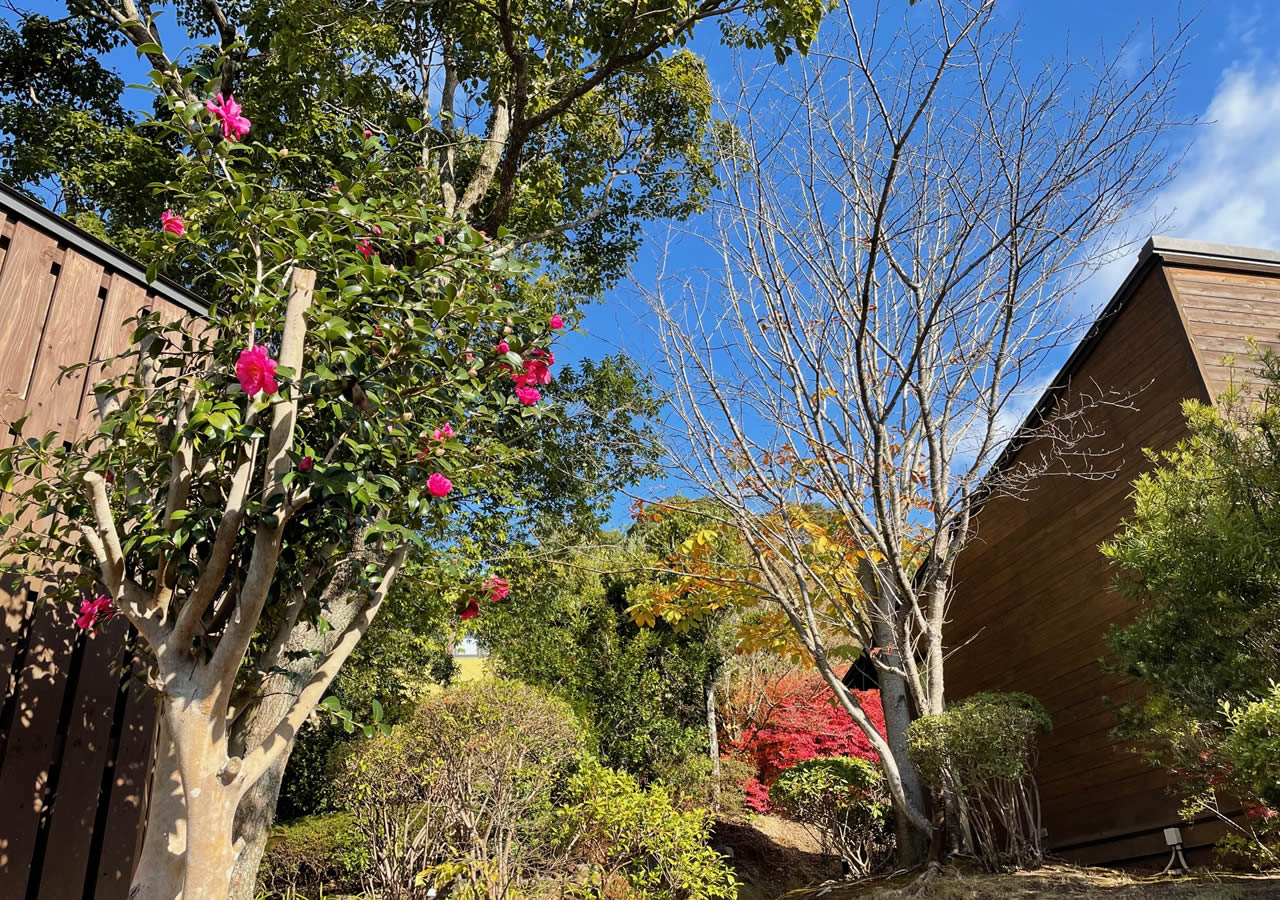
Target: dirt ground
[1052,882]
[773,857]
[777,859]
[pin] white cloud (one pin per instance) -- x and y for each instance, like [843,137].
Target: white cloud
[1228,188]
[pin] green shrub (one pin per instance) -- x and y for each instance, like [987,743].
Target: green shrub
[1253,745]
[843,800]
[462,791]
[312,855]
[690,783]
[629,843]
[982,752]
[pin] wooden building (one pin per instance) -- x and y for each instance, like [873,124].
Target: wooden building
[1032,600]
[75,747]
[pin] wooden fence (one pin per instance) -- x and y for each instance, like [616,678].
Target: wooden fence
[75,742]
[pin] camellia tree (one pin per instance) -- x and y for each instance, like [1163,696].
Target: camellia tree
[267,471]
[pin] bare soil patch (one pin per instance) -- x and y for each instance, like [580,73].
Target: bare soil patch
[1052,882]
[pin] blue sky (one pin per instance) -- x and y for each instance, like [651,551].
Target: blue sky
[1226,189]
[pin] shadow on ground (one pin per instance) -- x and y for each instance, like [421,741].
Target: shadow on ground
[774,860]
[1052,882]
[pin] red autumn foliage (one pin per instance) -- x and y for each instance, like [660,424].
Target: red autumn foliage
[803,721]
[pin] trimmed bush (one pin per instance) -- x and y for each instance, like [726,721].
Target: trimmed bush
[982,752]
[628,843]
[843,801]
[313,855]
[461,791]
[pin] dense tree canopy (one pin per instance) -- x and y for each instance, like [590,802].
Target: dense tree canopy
[568,123]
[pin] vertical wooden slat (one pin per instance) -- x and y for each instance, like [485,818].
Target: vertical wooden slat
[75,805]
[28,759]
[121,834]
[26,285]
[54,397]
[124,301]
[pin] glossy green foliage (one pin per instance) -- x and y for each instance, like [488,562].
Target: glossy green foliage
[605,124]
[842,798]
[1200,556]
[638,842]
[640,690]
[313,855]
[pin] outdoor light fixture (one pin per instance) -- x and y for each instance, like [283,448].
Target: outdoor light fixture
[1173,837]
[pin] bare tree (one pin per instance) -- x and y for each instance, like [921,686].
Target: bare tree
[906,216]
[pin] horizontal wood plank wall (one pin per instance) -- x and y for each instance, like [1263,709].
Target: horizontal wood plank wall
[1223,311]
[1032,603]
[75,745]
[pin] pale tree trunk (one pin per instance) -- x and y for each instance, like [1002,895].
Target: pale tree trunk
[160,865]
[713,745]
[903,790]
[299,660]
[896,703]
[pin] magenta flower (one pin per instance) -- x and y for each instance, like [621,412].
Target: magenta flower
[444,432]
[234,125]
[91,611]
[377,230]
[438,485]
[306,464]
[439,240]
[471,611]
[256,371]
[528,395]
[498,588]
[366,249]
[171,222]
[368,134]
[556,322]
[502,347]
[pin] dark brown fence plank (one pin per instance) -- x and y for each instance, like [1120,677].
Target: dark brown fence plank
[121,836]
[28,758]
[75,804]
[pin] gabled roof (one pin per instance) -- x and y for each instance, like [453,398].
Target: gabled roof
[1157,250]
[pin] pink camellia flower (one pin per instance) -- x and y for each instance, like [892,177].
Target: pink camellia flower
[366,249]
[444,432]
[438,485]
[535,372]
[471,611]
[171,222]
[439,240]
[377,230]
[91,611]
[368,134]
[528,395]
[502,347]
[234,125]
[556,322]
[256,371]
[498,588]
[306,464]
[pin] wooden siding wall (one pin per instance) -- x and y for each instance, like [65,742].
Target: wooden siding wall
[75,748]
[1223,310]
[1032,602]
